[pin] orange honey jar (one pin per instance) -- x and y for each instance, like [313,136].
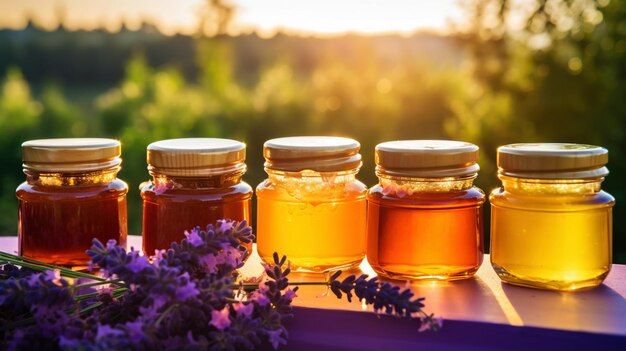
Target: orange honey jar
[425,215]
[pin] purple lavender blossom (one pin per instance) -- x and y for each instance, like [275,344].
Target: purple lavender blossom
[229,256]
[225,226]
[193,237]
[243,309]
[186,288]
[135,330]
[105,331]
[111,244]
[151,312]
[138,263]
[209,262]
[187,297]
[220,318]
[290,294]
[259,297]
[275,337]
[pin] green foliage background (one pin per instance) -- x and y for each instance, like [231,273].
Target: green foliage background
[486,84]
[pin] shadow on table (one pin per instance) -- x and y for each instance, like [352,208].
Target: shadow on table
[601,309]
[462,299]
[316,329]
[456,299]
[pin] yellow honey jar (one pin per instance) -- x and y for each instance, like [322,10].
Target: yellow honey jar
[551,224]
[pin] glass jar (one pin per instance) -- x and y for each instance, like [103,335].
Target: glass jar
[195,182]
[71,196]
[425,216]
[312,208]
[551,225]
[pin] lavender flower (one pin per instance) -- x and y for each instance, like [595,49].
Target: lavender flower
[276,337]
[383,296]
[186,297]
[41,304]
[244,309]
[219,318]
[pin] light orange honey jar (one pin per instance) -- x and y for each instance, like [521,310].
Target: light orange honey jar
[311,207]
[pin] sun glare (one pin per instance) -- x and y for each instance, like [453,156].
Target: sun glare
[321,17]
[334,17]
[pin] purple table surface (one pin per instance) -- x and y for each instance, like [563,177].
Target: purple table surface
[467,306]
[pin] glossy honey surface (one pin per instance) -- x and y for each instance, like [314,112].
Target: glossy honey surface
[59,216]
[319,223]
[186,204]
[551,235]
[425,234]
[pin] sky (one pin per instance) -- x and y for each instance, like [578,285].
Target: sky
[316,17]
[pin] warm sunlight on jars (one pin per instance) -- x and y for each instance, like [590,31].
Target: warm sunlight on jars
[425,216]
[71,196]
[551,224]
[196,181]
[312,208]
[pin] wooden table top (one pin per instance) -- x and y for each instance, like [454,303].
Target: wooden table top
[483,298]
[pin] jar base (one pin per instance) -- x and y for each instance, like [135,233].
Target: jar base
[303,265]
[547,284]
[76,262]
[431,272]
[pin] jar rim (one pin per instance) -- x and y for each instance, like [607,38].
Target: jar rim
[70,155]
[427,158]
[552,160]
[315,153]
[196,157]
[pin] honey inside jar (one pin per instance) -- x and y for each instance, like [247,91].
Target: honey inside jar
[425,215]
[551,224]
[312,208]
[71,196]
[196,181]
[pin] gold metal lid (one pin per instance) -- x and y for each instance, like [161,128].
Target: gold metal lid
[552,161]
[196,157]
[316,153]
[70,154]
[427,158]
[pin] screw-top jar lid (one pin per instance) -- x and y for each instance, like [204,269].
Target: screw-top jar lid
[427,158]
[70,154]
[552,161]
[316,153]
[196,157]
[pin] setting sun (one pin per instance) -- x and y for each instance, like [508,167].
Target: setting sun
[324,17]
[333,17]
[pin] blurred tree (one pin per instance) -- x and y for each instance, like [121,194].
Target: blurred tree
[151,105]
[214,17]
[59,118]
[19,115]
[548,70]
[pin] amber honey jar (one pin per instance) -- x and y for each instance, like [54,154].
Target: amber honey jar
[195,182]
[71,196]
[551,223]
[425,216]
[311,207]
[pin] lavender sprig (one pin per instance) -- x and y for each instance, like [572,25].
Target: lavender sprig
[186,297]
[217,250]
[384,297]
